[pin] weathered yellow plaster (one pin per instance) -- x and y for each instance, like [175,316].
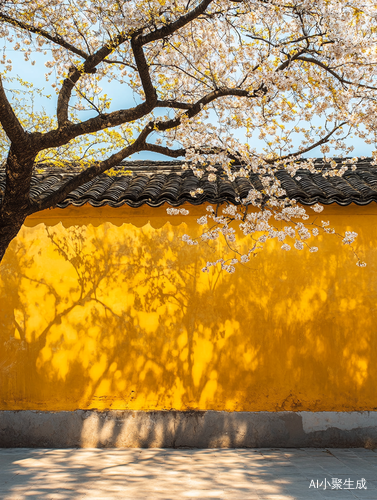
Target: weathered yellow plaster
[107,308]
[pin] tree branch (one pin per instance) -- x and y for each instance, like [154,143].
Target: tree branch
[174,153]
[65,95]
[173,104]
[9,120]
[143,69]
[290,59]
[62,135]
[305,37]
[39,31]
[262,40]
[309,148]
[169,29]
[122,63]
[332,72]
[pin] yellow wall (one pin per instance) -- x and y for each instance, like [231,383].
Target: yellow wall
[114,312]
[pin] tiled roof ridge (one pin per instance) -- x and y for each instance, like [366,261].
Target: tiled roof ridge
[157,182]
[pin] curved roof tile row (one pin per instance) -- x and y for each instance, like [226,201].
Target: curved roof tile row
[156,183]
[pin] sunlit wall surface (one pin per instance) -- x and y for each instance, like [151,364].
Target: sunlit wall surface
[108,308]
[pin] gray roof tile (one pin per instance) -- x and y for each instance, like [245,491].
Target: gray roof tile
[155,183]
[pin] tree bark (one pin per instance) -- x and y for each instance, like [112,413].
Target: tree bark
[16,205]
[9,230]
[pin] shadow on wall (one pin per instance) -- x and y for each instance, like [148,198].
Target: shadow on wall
[122,318]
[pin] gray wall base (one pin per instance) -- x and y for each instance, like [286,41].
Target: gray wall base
[197,429]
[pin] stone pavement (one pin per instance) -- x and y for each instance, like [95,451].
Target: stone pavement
[164,474]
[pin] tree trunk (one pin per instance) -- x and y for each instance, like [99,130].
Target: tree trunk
[16,204]
[9,230]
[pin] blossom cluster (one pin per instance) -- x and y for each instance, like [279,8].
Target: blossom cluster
[177,211]
[260,225]
[349,237]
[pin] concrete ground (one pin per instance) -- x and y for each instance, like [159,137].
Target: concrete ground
[187,474]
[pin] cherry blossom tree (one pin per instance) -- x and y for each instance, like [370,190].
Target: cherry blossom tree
[208,78]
